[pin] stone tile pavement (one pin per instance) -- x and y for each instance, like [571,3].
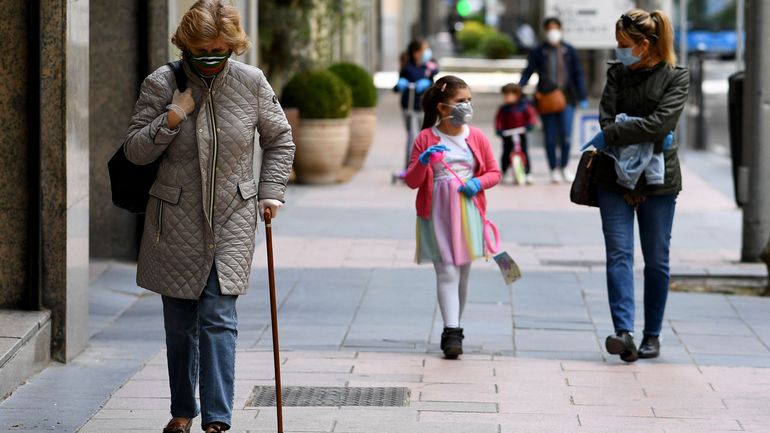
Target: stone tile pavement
[356,311]
[480,394]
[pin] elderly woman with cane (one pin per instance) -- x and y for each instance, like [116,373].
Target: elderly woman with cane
[200,223]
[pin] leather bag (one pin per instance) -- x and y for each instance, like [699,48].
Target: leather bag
[131,183]
[583,191]
[550,102]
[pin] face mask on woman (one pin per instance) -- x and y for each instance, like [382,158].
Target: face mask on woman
[462,113]
[209,65]
[626,56]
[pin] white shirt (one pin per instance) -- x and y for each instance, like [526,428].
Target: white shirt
[459,156]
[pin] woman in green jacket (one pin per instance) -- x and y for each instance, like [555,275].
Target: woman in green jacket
[640,106]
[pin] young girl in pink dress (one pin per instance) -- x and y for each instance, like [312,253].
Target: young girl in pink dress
[450,229]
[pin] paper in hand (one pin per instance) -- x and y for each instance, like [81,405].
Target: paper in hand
[508,267]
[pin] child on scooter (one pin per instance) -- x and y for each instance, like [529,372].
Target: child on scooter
[450,214]
[418,68]
[514,118]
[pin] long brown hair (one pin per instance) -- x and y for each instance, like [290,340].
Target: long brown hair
[653,26]
[442,90]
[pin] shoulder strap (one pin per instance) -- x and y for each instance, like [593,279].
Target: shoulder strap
[179,75]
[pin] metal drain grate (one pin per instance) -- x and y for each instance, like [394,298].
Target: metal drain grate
[306,396]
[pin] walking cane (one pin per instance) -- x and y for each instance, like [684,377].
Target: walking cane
[274,319]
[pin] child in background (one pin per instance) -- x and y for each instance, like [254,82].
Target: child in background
[516,112]
[450,229]
[418,68]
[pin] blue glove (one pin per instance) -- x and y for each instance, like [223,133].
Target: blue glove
[422,85]
[425,156]
[668,141]
[597,142]
[584,104]
[402,84]
[471,188]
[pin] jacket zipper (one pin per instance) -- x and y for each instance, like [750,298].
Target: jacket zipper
[159,222]
[212,169]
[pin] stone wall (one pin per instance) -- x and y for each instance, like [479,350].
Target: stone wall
[114,67]
[13,147]
[120,58]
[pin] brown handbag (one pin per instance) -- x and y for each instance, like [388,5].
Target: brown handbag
[550,102]
[583,190]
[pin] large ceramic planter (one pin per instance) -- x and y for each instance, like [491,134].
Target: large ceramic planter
[321,149]
[363,122]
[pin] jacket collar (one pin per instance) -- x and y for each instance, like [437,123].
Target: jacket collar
[193,77]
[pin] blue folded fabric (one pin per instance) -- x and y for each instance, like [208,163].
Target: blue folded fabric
[633,160]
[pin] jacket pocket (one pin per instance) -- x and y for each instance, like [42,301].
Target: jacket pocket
[247,188]
[163,194]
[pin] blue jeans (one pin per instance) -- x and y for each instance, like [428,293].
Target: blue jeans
[200,342]
[656,217]
[557,128]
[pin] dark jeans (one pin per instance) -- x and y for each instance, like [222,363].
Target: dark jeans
[656,217]
[558,133]
[200,342]
[508,145]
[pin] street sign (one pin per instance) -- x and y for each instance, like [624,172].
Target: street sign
[585,126]
[588,24]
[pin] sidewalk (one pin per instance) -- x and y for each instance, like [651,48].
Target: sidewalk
[356,311]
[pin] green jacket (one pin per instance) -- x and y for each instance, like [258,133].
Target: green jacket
[657,95]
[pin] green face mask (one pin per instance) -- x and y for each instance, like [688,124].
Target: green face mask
[210,64]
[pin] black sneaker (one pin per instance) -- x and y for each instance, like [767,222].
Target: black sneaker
[622,344]
[452,342]
[650,347]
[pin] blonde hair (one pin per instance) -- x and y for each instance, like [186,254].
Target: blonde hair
[206,21]
[653,26]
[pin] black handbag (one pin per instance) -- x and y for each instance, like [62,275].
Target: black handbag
[131,183]
[583,189]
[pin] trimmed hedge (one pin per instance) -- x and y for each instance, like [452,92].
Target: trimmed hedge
[318,94]
[497,46]
[360,82]
[471,35]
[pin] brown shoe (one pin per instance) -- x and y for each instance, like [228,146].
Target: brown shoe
[215,427]
[178,426]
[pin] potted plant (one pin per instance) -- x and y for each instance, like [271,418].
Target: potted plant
[324,103]
[363,117]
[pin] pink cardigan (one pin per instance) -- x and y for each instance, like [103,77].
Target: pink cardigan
[421,176]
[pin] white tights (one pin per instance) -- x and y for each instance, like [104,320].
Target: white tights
[452,288]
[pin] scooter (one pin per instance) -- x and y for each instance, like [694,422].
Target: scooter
[411,128]
[518,157]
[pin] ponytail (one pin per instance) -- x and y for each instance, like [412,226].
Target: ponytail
[664,47]
[654,27]
[441,91]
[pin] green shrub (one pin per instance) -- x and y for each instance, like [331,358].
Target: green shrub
[318,94]
[497,46]
[360,82]
[471,35]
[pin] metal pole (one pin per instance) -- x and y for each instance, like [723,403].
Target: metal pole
[34,269]
[683,61]
[740,31]
[701,139]
[756,124]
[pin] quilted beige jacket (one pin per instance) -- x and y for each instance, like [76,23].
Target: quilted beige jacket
[203,205]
